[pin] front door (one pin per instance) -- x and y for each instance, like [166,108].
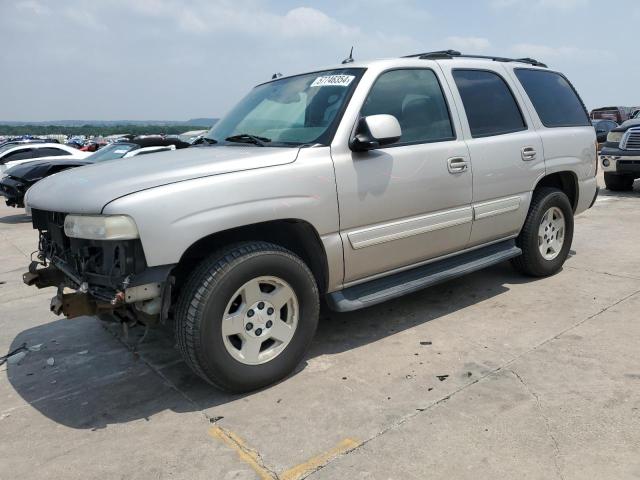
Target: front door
[410,201]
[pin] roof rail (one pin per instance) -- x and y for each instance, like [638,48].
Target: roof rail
[446,54]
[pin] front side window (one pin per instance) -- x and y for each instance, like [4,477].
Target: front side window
[490,106]
[415,98]
[289,112]
[553,97]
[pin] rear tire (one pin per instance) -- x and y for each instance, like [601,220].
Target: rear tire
[547,234]
[231,327]
[618,183]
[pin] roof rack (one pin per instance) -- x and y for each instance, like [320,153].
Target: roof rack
[447,54]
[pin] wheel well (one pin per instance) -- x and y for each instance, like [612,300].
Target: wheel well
[296,235]
[565,181]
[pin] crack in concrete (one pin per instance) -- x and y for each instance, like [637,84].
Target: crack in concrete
[626,277]
[556,446]
[249,455]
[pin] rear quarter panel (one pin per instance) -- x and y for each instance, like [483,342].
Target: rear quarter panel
[571,149]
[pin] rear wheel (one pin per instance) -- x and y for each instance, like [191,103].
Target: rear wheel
[618,183]
[547,234]
[247,315]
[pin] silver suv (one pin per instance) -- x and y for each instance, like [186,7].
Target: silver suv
[354,184]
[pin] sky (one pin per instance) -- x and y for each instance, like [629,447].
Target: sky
[181,59]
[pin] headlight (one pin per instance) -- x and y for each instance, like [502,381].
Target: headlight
[614,137]
[100,227]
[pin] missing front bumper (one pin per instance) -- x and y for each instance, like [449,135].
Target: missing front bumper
[149,301]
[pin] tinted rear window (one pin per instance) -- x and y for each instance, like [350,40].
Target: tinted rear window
[488,102]
[553,97]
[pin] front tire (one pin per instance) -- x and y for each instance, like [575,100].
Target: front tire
[547,234]
[618,183]
[247,315]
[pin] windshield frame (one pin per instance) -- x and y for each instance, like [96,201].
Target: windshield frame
[326,137]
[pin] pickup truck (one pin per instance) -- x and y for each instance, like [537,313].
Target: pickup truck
[620,155]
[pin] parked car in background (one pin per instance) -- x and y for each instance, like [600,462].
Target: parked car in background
[14,154]
[356,184]
[603,127]
[15,181]
[620,155]
[617,114]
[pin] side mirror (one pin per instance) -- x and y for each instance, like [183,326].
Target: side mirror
[375,131]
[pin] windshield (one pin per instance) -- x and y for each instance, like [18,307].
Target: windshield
[288,112]
[110,152]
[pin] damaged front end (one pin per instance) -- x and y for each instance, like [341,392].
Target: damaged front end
[106,278]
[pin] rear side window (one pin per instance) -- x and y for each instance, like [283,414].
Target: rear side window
[553,97]
[489,103]
[51,152]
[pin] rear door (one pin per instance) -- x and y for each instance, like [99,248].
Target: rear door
[506,150]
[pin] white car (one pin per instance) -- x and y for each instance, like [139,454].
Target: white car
[15,154]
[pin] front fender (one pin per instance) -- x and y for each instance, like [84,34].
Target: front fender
[170,218]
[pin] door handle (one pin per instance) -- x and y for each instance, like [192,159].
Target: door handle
[457,165]
[528,154]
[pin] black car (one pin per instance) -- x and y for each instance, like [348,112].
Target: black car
[603,127]
[15,181]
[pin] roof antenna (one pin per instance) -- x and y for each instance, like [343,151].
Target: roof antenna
[276,75]
[350,58]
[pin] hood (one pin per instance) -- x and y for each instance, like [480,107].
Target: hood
[36,169]
[635,122]
[89,189]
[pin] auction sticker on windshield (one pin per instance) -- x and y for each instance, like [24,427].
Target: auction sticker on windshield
[333,81]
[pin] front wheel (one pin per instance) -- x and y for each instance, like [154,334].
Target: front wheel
[247,315]
[547,234]
[618,183]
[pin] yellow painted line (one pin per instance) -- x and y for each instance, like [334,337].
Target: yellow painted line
[314,463]
[246,454]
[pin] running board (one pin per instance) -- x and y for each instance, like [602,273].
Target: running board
[385,288]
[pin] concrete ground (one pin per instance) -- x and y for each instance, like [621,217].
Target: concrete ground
[491,376]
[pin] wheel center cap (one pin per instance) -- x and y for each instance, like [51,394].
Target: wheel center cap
[258,319]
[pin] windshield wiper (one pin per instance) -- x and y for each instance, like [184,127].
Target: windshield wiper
[248,138]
